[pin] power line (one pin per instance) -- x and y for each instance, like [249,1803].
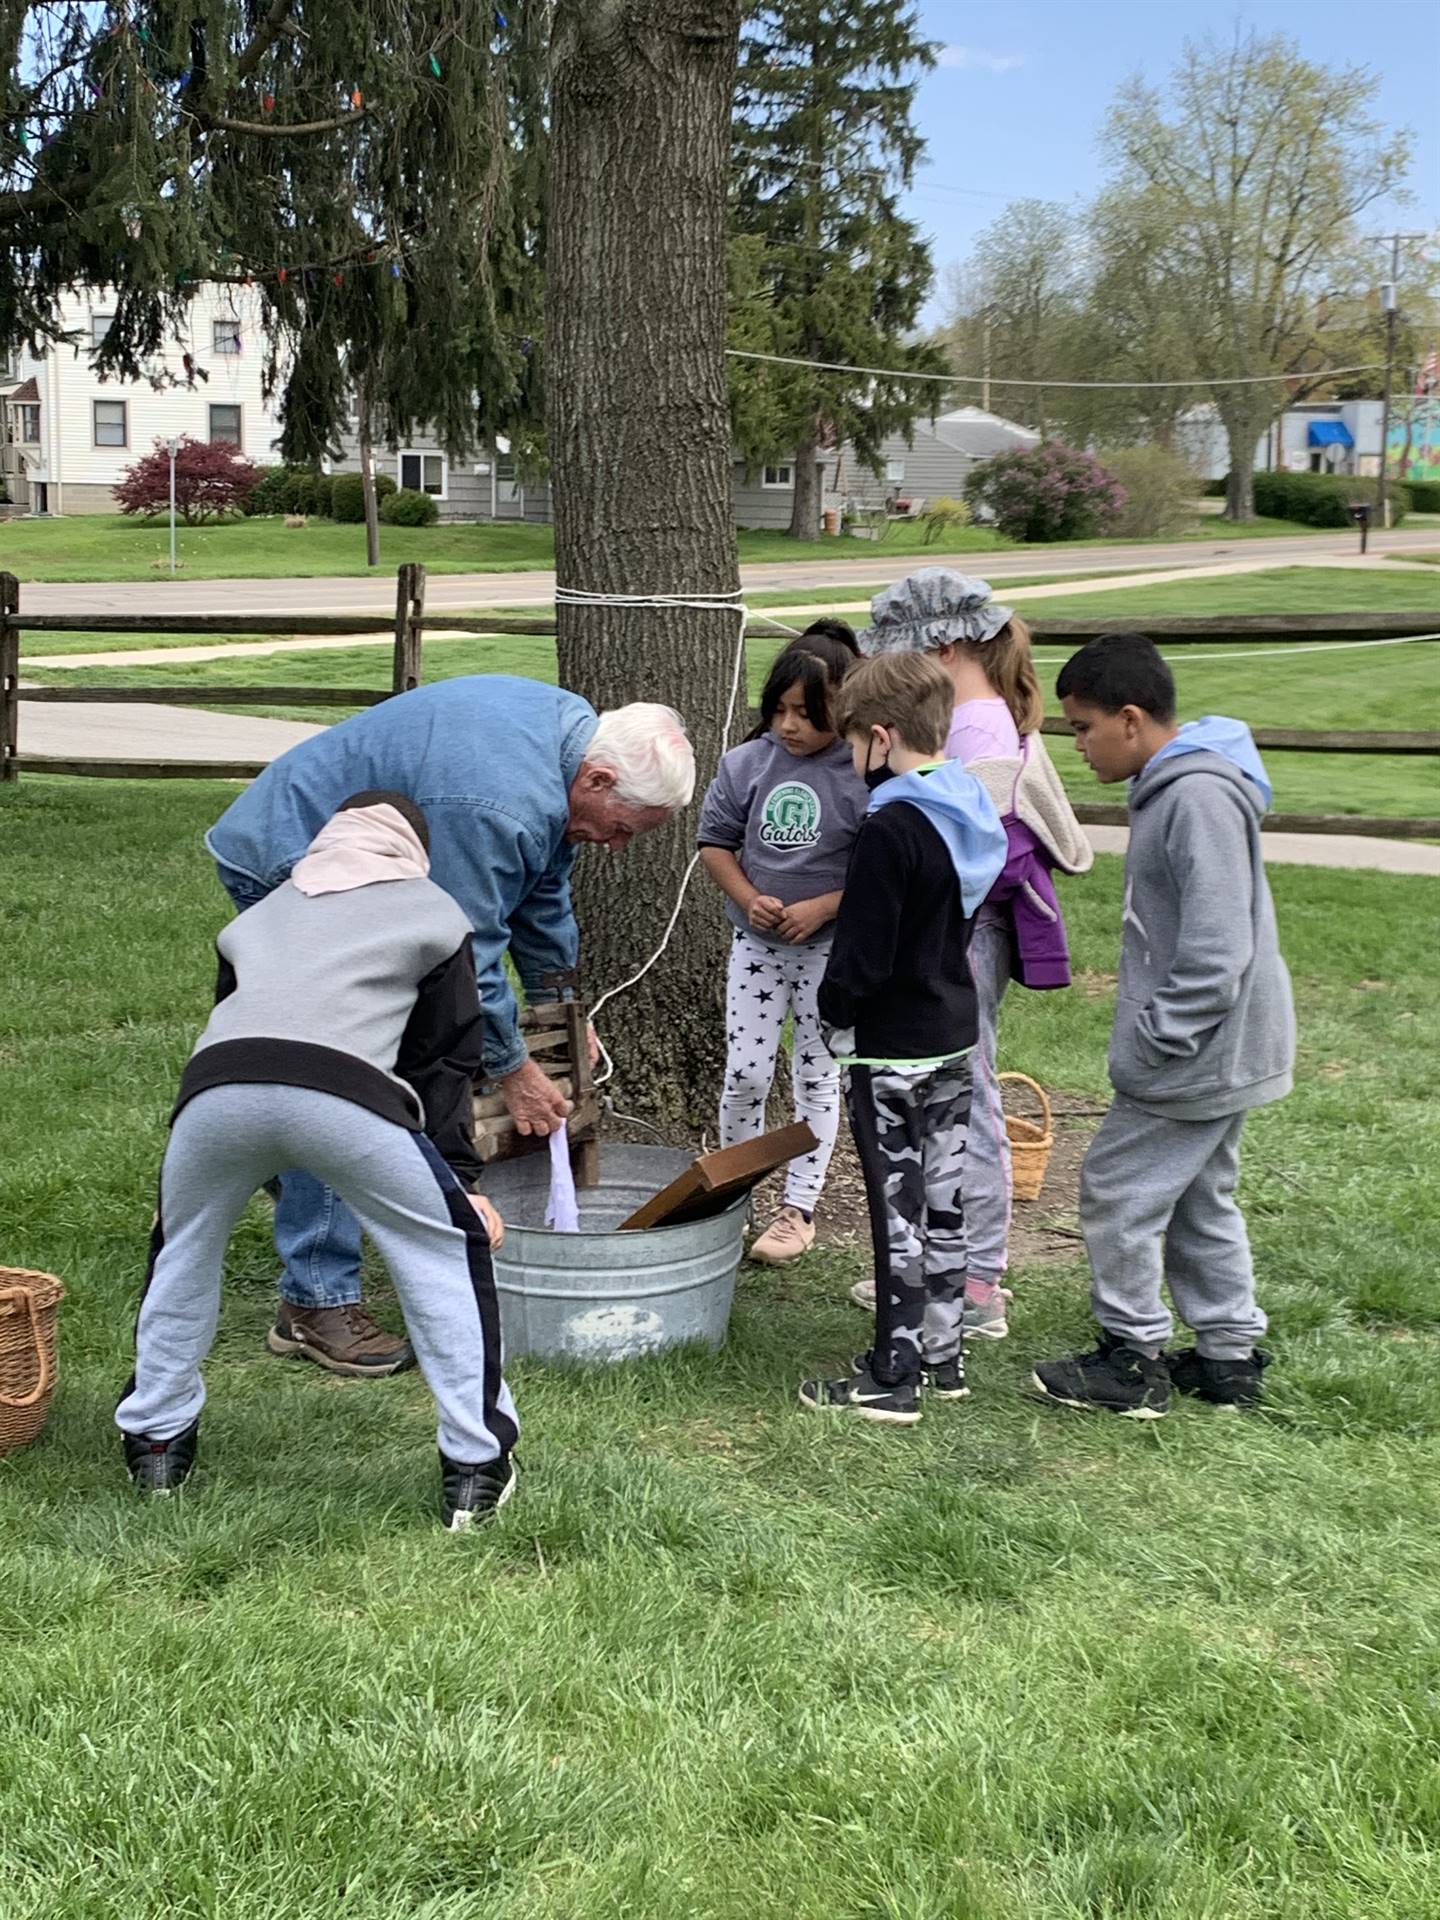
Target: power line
[1123,386]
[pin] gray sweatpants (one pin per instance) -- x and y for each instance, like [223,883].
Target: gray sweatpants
[1157,1201]
[227,1142]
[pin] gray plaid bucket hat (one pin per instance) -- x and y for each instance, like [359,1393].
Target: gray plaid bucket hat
[932,608]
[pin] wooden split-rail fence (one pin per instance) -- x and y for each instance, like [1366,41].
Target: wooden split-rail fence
[410,621]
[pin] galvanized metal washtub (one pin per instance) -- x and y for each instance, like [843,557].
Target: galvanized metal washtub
[599,1295]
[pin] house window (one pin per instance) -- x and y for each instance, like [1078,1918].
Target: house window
[424,473]
[225,424]
[778,477]
[226,337]
[27,424]
[99,327]
[111,426]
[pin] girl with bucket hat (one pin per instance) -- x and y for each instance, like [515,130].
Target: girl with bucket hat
[1019,931]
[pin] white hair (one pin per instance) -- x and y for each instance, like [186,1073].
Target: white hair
[645,746]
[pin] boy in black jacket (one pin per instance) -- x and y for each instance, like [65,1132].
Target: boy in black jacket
[899,1005]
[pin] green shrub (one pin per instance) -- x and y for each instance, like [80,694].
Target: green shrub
[267,496]
[1215,489]
[1424,495]
[1321,499]
[1159,488]
[347,496]
[944,516]
[408,507]
[306,492]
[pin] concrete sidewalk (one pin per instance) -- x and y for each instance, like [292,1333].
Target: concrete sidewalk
[1355,851]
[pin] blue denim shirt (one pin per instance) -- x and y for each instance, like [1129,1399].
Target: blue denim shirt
[490,759]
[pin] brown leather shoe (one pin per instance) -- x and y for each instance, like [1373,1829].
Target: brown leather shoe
[346,1340]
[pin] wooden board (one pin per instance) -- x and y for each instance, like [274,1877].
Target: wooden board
[709,1185]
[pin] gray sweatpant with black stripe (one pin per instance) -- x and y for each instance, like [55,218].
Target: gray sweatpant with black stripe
[226,1143]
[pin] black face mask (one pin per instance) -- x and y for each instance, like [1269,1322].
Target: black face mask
[876,776]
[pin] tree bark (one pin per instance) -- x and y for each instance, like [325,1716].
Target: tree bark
[1242,430]
[367,478]
[805,501]
[639,441]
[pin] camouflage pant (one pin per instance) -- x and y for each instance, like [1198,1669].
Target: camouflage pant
[910,1125]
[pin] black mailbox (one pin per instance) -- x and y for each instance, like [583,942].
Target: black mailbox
[1359,511]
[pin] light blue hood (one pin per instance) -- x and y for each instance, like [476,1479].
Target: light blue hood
[963,814]
[1231,739]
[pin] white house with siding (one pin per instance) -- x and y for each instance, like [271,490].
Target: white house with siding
[69,435]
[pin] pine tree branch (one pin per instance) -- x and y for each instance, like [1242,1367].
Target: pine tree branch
[278,130]
[271,28]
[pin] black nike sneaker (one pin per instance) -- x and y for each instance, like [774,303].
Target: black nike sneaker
[945,1379]
[1113,1378]
[160,1466]
[861,1393]
[1224,1383]
[471,1493]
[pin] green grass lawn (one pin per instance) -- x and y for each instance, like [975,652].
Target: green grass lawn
[114,547]
[1393,687]
[721,1658]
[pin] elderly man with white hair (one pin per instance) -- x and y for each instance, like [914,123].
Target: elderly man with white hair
[511,776]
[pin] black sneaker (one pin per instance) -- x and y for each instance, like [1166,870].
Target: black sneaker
[861,1393]
[1114,1378]
[1224,1383]
[159,1466]
[946,1379]
[470,1493]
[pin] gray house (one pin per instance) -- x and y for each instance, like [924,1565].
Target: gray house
[932,462]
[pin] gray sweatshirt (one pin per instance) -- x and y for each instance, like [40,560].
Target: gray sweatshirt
[1204,1021]
[789,819]
[368,994]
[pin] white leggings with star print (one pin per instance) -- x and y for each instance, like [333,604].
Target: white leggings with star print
[764,984]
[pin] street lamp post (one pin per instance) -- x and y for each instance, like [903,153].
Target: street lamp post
[170,447]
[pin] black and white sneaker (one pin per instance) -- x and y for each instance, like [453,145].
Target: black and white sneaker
[945,1380]
[160,1466]
[1224,1383]
[471,1493]
[1114,1378]
[861,1393]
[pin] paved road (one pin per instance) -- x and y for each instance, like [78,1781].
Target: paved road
[464,590]
[1316,850]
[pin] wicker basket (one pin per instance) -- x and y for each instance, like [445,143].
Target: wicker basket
[29,1304]
[1030,1140]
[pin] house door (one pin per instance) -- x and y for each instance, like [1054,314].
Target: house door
[509,493]
[42,496]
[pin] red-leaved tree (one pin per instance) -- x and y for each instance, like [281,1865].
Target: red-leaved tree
[212,477]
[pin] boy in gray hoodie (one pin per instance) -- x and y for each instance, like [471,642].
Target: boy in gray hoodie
[1204,1031]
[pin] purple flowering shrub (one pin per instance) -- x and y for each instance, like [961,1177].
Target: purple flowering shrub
[1049,492]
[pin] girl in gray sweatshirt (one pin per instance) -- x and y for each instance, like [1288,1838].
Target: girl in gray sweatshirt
[776,830]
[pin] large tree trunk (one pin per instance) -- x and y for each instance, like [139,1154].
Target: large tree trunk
[1243,428]
[367,477]
[805,501]
[639,440]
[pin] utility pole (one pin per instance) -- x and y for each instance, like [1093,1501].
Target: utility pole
[985,360]
[1390,302]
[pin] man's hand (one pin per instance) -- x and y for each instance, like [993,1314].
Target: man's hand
[592,1044]
[764,912]
[533,1100]
[494,1225]
[803,919]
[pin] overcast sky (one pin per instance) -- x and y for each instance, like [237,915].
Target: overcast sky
[1015,106]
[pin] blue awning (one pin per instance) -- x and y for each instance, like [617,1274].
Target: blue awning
[1329,433]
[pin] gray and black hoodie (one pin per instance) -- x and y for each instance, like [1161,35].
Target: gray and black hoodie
[368,994]
[1204,1020]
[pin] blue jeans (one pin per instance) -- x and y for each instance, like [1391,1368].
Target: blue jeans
[316,1234]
